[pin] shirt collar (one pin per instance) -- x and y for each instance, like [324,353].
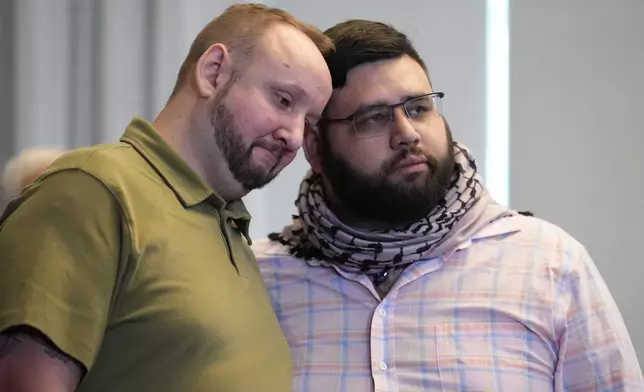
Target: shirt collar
[500,227]
[187,185]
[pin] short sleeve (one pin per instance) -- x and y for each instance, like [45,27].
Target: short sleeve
[59,257]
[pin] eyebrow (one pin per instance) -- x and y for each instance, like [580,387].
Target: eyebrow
[292,88]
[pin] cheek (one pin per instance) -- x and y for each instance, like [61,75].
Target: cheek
[435,141]
[254,118]
[366,156]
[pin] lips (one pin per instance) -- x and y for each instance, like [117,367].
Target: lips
[276,154]
[273,156]
[411,161]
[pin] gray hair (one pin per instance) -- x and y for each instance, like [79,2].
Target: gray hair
[21,168]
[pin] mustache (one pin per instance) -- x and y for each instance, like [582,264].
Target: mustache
[275,148]
[394,161]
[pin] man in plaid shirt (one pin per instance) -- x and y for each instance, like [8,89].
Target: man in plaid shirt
[401,273]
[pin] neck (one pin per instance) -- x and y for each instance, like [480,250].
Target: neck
[177,125]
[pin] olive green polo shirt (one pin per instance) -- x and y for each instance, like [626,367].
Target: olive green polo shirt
[129,262]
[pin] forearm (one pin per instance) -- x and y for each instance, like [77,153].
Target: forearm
[31,364]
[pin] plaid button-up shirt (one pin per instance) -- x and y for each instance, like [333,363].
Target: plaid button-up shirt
[519,307]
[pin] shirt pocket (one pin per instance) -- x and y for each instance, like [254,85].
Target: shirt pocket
[487,356]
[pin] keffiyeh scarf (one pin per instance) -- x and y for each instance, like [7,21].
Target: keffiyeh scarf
[318,236]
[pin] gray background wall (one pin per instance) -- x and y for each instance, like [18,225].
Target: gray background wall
[577,98]
[6,80]
[74,72]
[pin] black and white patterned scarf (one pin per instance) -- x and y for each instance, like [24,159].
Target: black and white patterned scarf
[318,236]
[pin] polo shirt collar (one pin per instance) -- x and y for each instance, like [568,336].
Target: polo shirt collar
[187,185]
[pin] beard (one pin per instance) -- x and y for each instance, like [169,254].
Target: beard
[376,197]
[239,156]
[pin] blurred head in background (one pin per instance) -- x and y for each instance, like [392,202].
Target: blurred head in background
[24,168]
[383,149]
[253,80]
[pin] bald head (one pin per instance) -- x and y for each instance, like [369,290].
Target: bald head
[240,28]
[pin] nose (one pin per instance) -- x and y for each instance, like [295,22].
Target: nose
[404,134]
[290,134]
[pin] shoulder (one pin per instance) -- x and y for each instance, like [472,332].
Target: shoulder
[68,199]
[545,235]
[69,188]
[118,167]
[98,160]
[536,240]
[85,174]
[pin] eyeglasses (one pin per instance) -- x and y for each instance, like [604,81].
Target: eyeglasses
[377,120]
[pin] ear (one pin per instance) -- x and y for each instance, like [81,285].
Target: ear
[213,69]
[312,149]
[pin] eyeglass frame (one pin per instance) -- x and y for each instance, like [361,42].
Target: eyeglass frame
[393,107]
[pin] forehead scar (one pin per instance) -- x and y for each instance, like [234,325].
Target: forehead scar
[286,65]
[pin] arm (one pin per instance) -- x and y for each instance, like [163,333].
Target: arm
[59,257]
[25,353]
[595,351]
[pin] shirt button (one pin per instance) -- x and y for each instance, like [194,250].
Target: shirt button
[382,366]
[382,312]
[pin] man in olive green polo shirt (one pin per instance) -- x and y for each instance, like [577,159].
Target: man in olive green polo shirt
[127,267]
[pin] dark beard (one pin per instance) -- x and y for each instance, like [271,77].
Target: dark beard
[376,198]
[238,156]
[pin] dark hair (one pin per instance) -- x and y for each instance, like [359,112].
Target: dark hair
[359,42]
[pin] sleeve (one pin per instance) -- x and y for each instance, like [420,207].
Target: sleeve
[595,351]
[59,256]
